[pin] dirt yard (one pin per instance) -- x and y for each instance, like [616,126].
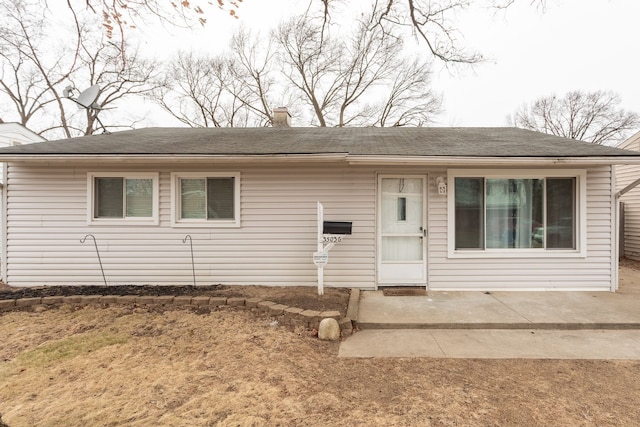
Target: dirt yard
[136,366]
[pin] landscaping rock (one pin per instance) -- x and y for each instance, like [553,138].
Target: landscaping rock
[51,300]
[329,329]
[9,303]
[217,301]
[346,326]
[27,302]
[235,302]
[200,300]
[252,302]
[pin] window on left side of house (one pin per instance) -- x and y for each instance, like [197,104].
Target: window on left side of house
[124,197]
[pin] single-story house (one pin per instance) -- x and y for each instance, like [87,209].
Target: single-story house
[627,180]
[445,208]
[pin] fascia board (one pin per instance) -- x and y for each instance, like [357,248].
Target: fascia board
[493,161]
[168,158]
[320,158]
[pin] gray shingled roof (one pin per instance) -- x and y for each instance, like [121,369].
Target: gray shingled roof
[436,142]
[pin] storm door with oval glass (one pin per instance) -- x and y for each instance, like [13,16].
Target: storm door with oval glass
[401,230]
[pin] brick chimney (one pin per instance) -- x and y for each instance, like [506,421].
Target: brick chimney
[281,117]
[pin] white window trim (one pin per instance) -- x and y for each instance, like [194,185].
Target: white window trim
[176,221]
[581,215]
[152,220]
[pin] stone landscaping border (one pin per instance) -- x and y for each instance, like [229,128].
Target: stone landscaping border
[285,315]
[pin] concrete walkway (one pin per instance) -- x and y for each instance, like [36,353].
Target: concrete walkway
[550,325]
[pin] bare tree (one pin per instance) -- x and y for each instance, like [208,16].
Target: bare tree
[37,64]
[343,79]
[431,22]
[194,97]
[311,65]
[353,79]
[587,116]
[253,75]
[410,100]
[31,69]
[230,90]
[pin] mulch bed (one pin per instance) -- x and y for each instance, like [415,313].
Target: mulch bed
[56,291]
[295,296]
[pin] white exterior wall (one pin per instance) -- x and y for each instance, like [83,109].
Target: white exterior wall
[47,217]
[625,175]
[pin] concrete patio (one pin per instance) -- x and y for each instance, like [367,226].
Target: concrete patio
[553,325]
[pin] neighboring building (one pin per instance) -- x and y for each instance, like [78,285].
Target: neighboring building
[12,134]
[15,134]
[447,208]
[627,177]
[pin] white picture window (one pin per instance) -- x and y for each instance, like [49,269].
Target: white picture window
[517,212]
[206,199]
[122,197]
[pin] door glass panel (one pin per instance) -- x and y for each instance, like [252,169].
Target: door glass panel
[402,208]
[401,205]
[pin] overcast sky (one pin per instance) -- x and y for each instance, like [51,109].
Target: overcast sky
[572,44]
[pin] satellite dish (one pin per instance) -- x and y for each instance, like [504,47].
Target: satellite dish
[88,96]
[87,100]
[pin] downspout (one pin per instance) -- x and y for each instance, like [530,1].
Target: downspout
[615,231]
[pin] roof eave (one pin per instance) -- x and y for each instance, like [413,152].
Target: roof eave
[321,158]
[490,161]
[170,158]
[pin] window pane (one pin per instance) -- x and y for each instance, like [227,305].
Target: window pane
[108,198]
[514,212]
[220,198]
[561,213]
[192,198]
[402,208]
[469,215]
[139,198]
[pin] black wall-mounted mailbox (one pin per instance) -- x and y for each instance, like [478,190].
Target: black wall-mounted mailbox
[336,227]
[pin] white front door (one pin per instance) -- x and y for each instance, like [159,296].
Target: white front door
[401,230]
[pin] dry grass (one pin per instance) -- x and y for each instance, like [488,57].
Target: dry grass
[68,366]
[137,367]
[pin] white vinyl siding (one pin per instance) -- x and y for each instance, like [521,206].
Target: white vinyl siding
[273,246]
[625,175]
[47,212]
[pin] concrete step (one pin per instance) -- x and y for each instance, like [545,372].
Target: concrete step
[560,326]
[494,344]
